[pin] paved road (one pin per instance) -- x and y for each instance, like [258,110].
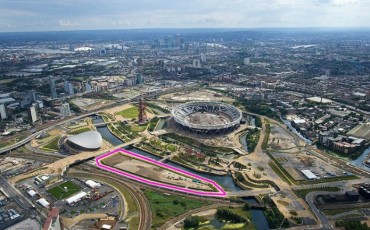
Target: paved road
[117,103]
[140,199]
[20,199]
[320,216]
[243,193]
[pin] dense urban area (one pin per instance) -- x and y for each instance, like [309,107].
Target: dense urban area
[185,129]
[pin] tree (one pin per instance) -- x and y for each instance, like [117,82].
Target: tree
[246,207]
[191,222]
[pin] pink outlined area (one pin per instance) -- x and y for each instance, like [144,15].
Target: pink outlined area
[220,192]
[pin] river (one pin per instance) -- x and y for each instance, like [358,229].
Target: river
[359,161]
[106,134]
[287,123]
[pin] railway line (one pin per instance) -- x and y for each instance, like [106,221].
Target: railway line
[140,199]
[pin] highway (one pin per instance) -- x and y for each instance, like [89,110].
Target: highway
[117,103]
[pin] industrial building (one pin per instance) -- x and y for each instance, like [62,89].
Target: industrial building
[76,198]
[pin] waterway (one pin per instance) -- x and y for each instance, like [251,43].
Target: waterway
[106,134]
[287,123]
[243,141]
[258,216]
[359,161]
[226,182]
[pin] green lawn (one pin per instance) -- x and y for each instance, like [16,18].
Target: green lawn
[164,207]
[129,113]
[138,128]
[171,148]
[59,193]
[52,145]
[79,130]
[303,192]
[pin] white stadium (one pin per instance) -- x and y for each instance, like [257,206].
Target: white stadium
[90,140]
[207,117]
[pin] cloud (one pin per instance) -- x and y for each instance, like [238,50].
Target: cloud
[19,15]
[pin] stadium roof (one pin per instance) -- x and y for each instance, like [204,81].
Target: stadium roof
[87,140]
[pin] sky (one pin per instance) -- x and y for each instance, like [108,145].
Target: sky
[50,15]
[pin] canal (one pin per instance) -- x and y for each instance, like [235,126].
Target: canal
[359,162]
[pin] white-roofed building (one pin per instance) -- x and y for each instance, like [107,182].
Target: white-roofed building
[31,193]
[106,226]
[91,140]
[92,184]
[43,202]
[308,174]
[76,198]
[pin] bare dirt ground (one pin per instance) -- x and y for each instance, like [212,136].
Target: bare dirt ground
[116,109]
[198,95]
[90,103]
[281,139]
[152,172]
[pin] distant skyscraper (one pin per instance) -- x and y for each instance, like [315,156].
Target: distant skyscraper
[139,79]
[32,96]
[196,63]
[32,113]
[203,57]
[68,88]
[327,72]
[88,87]
[65,110]
[65,86]
[247,61]
[53,90]
[139,61]
[3,114]
[178,40]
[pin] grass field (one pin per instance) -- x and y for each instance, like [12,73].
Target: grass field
[303,192]
[59,193]
[138,128]
[79,130]
[129,113]
[52,145]
[166,207]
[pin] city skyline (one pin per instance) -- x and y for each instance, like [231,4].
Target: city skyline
[39,15]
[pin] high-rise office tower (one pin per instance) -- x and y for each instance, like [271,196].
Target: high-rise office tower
[88,87]
[53,90]
[247,61]
[3,114]
[65,110]
[32,113]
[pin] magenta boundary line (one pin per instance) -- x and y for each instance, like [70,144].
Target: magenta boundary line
[219,193]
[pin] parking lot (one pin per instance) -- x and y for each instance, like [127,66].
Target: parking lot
[102,200]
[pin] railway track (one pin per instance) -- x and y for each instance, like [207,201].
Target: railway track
[140,199]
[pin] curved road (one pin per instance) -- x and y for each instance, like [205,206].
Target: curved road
[117,103]
[320,216]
